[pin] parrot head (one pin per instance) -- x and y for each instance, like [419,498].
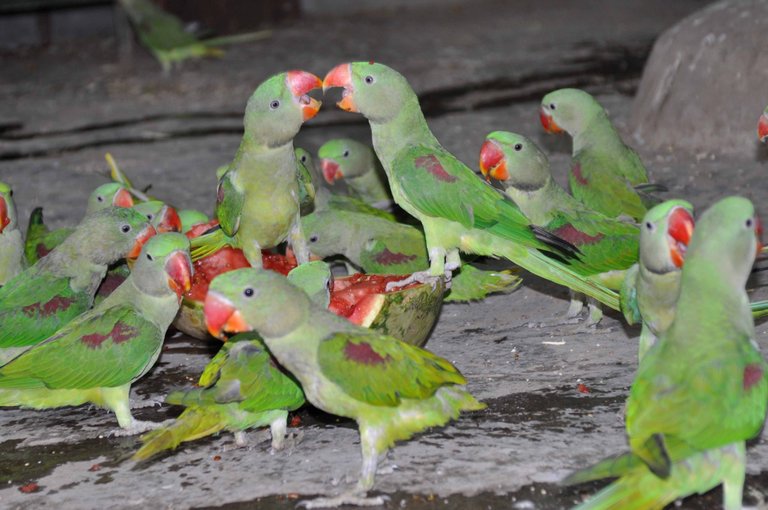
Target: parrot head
[344,157]
[568,110]
[279,106]
[164,264]
[252,299]
[374,90]
[514,160]
[762,127]
[664,236]
[111,234]
[162,216]
[325,233]
[7,209]
[111,194]
[190,217]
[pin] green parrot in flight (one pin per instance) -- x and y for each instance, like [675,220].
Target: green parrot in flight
[61,286]
[457,210]
[391,389]
[97,356]
[355,163]
[257,198]
[12,260]
[701,390]
[606,174]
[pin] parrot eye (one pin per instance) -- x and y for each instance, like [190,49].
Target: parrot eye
[369,79]
[649,226]
[149,257]
[345,153]
[125,229]
[274,105]
[100,198]
[551,106]
[749,223]
[248,292]
[150,216]
[313,238]
[518,147]
[304,158]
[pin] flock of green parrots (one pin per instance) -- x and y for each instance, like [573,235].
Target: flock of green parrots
[69,337]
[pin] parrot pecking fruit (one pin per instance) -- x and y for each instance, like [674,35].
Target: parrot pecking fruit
[97,356]
[12,260]
[606,175]
[457,210]
[356,164]
[393,390]
[61,286]
[701,391]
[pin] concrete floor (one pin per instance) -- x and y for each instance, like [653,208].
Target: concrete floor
[478,69]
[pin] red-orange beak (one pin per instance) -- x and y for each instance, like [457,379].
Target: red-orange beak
[300,83]
[331,170]
[493,164]
[221,316]
[759,234]
[178,267]
[679,229]
[141,240]
[762,128]
[341,76]
[550,126]
[122,198]
[169,220]
[4,218]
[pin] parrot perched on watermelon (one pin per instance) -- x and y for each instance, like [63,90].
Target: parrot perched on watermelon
[762,126]
[61,286]
[257,199]
[457,210]
[607,246]
[40,240]
[391,389]
[12,260]
[97,356]
[701,391]
[606,174]
[356,164]
[378,246]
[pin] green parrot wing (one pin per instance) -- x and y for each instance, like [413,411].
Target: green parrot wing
[385,255]
[102,348]
[229,204]
[380,370]
[628,296]
[352,204]
[605,191]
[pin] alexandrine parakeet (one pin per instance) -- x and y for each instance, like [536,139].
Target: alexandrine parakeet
[606,174]
[305,180]
[61,286]
[701,391]
[97,356]
[391,389]
[607,246]
[457,209]
[12,260]
[355,163]
[762,126]
[257,199]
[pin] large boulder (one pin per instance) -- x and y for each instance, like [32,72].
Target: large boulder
[706,82]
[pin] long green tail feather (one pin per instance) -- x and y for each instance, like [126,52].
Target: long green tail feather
[208,244]
[193,423]
[612,467]
[759,309]
[237,38]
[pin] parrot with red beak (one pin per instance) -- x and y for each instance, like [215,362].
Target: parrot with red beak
[97,356]
[12,260]
[458,211]
[762,126]
[257,198]
[606,174]
[60,286]
[355,163]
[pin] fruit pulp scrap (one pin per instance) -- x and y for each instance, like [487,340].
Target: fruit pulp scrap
[349,293]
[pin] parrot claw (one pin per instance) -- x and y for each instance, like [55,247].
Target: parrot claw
[417,277]
[138,427]
[351,498]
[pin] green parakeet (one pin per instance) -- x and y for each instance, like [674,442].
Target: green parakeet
[457,210]
[607,246]
[162,216]
[257,200]
[59,287]
[306,185]
[315,279]
[606,174]
[40,240]
[393,390]
[762,126]
[701,391]
[356,164]
[651,287]
[97,356]
[12,260]
[379,246]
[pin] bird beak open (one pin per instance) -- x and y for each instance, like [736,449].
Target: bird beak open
[300,83]
[4,218]
[141,240]
[221,316]
[169,220]
[122,198]
[493,164]
[178,267]
[762,128]
[550,126]
[331,170]
[679,229]
[341,76]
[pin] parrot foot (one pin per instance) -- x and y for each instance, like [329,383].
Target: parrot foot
[146,402]
[291,441]
[350,498]
[418,277]
[138,427]
[241,439]
[574,309]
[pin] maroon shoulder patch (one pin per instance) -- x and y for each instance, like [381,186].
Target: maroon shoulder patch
[121,332]
[576,171]
[753,374]
[387,257]
[433,166]
[575,236]
[41,250]
[50,307]
[363,353]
